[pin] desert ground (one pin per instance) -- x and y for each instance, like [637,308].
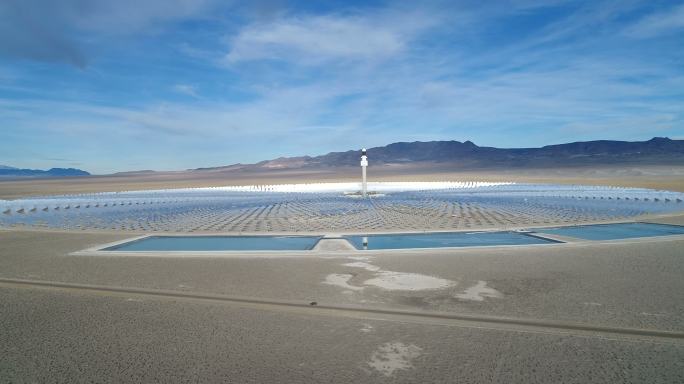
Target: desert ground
[580,312]
[655,177]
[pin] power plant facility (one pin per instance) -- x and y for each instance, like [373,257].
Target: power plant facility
[364,164]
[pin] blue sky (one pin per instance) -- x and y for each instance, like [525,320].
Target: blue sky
[112,86]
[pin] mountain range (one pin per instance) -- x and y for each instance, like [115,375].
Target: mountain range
[447,156]
[467,155]
[7,171]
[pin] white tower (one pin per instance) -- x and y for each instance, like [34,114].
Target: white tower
[364,164]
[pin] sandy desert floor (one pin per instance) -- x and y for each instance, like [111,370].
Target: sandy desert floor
[581,312]
[584,312]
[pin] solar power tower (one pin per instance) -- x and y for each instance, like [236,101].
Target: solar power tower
[364,164]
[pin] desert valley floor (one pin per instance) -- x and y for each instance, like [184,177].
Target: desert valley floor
[577,311]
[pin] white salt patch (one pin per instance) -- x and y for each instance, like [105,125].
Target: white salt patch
[360,258]
[479,291]
[341,280]
[591,303]
[366,328]
[389,280]
[391,357]
[366,266]
[407,281]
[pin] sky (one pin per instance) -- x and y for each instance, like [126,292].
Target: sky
[111,86]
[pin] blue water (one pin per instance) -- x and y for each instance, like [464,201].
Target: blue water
[615,231]
[439,240]
[219,243]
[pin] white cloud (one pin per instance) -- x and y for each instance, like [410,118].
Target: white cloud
[322,38]
[186,89]
[659,23]
[288,111]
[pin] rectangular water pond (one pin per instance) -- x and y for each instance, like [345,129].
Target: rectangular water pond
[441,240]
[615,231]
[219,243]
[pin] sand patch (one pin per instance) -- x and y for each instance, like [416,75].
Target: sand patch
[392,357]
[341,280]
[479,292]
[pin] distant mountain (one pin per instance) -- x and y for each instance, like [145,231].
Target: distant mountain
[448,155]
[6,171]
[467,155]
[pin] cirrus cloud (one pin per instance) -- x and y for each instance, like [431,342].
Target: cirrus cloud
[659,23]
[316,39]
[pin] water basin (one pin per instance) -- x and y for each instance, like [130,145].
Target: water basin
[615,231]
[441,240]
[219,243]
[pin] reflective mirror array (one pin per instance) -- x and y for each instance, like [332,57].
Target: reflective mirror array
[336,208]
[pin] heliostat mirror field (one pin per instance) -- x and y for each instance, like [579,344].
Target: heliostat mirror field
[327,208]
